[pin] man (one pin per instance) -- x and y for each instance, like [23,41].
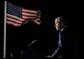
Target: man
[54,39]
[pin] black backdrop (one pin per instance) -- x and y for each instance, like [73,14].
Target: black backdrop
[1,27]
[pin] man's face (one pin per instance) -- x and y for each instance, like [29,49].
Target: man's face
[57,23]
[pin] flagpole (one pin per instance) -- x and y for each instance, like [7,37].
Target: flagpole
[4,42]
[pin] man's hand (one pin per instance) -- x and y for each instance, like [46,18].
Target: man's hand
[27,15]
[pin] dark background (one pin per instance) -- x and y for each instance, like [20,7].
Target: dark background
[1,27]
[68,9]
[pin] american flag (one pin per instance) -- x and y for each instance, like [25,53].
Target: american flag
[23,13]
[17,11]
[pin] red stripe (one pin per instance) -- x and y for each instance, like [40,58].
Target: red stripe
[13,20]
[14,17]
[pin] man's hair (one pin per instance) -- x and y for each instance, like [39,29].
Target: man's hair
[63,21]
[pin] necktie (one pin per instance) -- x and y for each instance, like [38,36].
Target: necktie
[59,40]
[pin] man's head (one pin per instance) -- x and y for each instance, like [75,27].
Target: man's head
[58,23]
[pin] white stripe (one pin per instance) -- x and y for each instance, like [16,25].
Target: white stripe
[25,17]
[4,43]
[27,14]
[23,13]
[31,11]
